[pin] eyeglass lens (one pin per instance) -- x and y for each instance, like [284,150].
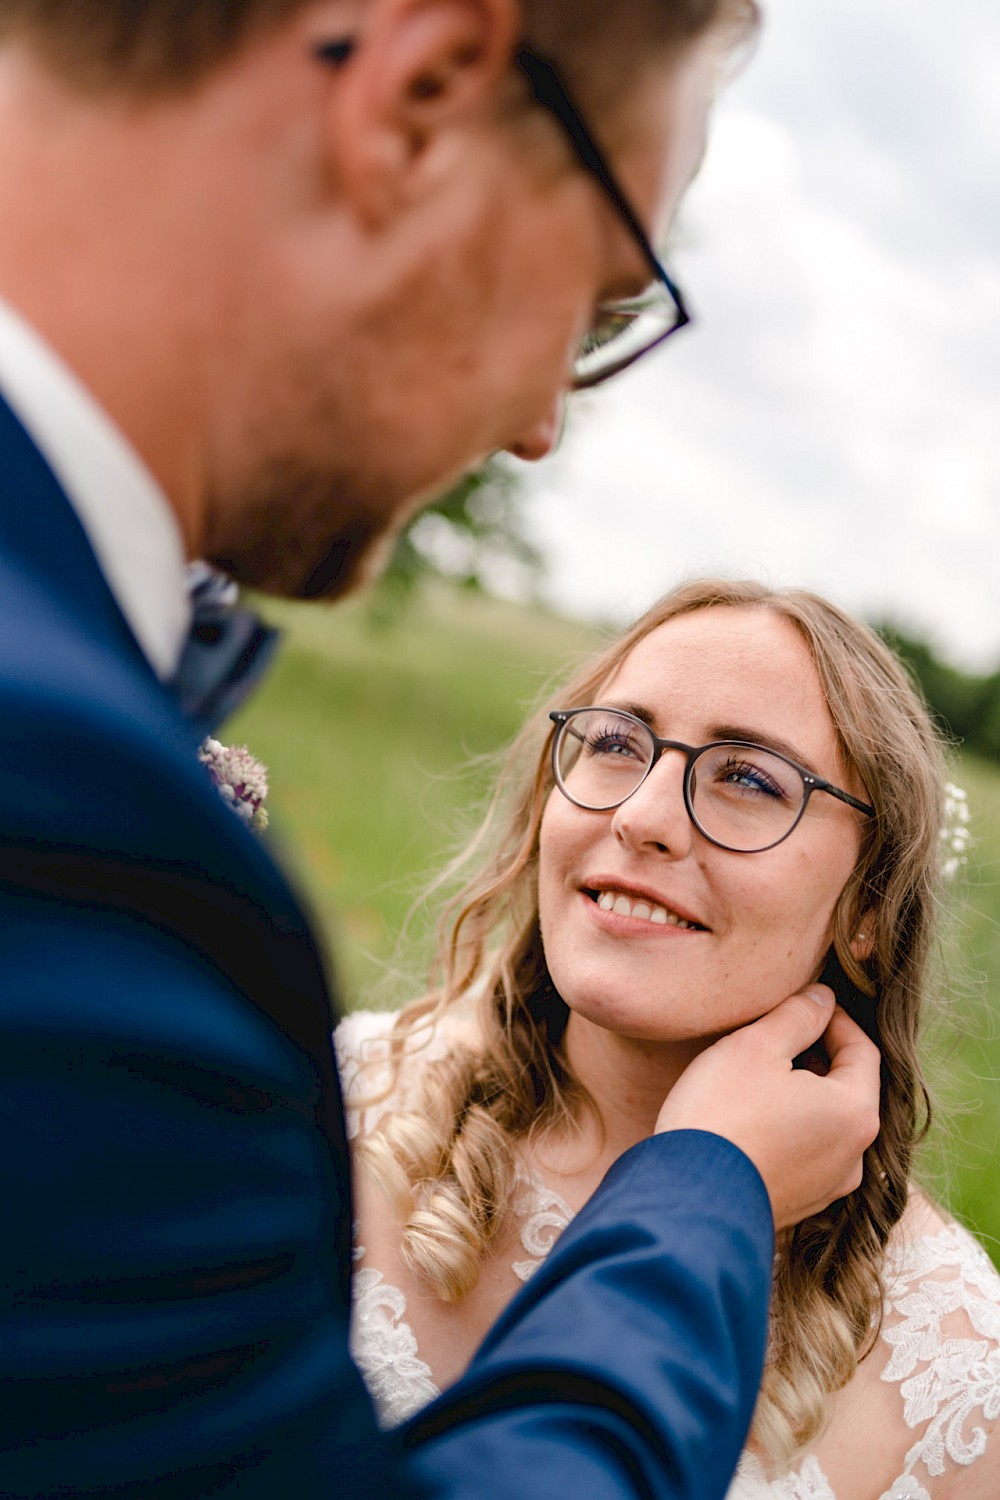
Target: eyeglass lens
[742,796]
[622,332]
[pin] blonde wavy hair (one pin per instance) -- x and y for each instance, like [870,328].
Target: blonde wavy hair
[448,1164]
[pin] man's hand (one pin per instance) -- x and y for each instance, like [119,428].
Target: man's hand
[805,1134]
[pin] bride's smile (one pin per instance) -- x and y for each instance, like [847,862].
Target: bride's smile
[651,930]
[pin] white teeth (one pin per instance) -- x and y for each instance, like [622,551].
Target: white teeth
[624,906]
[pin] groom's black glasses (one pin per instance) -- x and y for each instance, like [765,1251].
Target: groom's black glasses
[741,796]
[623,330]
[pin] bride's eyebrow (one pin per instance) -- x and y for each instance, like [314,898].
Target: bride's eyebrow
[635,709]
[759,737]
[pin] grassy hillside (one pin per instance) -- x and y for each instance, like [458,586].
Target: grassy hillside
[369,734]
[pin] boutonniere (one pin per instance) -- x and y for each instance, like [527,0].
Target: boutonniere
[241,780]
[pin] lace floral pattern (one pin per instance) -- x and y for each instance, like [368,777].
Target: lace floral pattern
[362,1061]
[943,1327]
[940,1340]
[940,1345]
[808,1482]
[545,1217]
[385,1350]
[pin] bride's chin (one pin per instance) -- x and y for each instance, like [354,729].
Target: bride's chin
[621,1024]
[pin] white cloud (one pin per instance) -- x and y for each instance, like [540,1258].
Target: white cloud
[832,420]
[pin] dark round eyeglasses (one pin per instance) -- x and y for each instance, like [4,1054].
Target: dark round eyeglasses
[622,331]
[740,796]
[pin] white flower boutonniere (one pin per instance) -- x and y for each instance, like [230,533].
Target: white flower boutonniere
[241,779]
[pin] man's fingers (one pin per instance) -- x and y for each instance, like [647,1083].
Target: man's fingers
[798,1022]
[855,1063]
[806,1134]
[849,1048]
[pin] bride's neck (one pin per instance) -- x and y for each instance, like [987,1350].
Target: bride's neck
[627,1080]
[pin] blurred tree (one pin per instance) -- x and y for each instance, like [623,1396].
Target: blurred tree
[475,534]
[967,706]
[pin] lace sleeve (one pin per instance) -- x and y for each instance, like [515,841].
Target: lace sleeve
[917,1421]
[382,1341]
[361,1041]
[940,1347]
[370,1092]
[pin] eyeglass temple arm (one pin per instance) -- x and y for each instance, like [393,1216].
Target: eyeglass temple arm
[817,784]
[548,90]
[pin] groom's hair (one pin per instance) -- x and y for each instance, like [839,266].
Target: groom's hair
[166,46]
[141,46]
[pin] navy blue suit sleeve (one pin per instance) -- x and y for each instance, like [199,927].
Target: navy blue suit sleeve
[172,1324]
[629,1365]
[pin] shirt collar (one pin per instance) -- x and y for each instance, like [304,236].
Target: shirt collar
[123,511]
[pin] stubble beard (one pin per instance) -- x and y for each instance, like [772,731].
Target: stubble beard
[301,534]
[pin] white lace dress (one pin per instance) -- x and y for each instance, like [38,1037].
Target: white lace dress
[916,1423]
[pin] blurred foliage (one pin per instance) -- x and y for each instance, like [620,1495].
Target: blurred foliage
[967,706]
[475,535]
[960,1164]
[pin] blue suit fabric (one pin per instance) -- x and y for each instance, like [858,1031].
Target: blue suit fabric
[175,1257]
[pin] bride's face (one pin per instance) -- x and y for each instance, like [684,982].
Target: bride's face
[758,925]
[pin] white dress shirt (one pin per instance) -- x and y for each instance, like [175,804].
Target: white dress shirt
[119,504]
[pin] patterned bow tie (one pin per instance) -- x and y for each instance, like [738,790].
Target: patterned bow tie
[226,654]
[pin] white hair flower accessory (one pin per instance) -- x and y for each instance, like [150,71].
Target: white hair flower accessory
[955,836]
[241,779]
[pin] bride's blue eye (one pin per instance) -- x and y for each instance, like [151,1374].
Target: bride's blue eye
[614,740]
[744,776]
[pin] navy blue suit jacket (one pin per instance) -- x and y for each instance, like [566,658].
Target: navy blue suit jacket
[173,1168]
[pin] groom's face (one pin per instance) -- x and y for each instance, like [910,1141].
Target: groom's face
[393,354]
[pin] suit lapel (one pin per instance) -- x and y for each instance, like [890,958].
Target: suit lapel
[147,833]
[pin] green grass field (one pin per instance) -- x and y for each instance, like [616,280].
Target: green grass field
[371,735]
[962,1164]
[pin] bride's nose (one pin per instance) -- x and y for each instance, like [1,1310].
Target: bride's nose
[655,817]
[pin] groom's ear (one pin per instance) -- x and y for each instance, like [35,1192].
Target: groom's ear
[420,72]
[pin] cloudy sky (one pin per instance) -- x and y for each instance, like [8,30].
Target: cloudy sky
[834,419]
